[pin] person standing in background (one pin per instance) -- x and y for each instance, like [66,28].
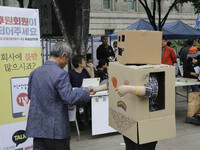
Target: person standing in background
[198,44]
[115,50]
[185,50]
[104,51]
[193,60]
[168,55]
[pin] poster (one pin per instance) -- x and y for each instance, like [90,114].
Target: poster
[20,54]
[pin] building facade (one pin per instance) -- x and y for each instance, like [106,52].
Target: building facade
[109,16]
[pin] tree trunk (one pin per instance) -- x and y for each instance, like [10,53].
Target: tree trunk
[85,25]
[21,4]
[61,22]
[75,32]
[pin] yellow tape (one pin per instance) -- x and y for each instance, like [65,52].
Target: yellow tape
[137,90]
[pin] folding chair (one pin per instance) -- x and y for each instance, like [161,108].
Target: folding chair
[72,117]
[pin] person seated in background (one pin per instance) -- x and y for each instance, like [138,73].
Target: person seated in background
[89,60]
[102,70]
[193,60]
[168,54]
[76,76]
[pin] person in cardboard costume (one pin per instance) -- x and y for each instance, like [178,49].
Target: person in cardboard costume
[149,90]
[141,115]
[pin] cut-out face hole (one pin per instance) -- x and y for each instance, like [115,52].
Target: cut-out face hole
[123,38]
[119,38]
[120,51]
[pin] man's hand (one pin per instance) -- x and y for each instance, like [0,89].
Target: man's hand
[82,87]
[92,91]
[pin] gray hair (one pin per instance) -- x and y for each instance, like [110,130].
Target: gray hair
[59,48]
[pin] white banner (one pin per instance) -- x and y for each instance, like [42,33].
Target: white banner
[19,27]
[20,54]
[13,137]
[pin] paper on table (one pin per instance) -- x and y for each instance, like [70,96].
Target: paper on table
[90,82]
[197,70]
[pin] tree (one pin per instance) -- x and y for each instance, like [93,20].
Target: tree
[75,33]
[21,3]
[74,30]
[157,4]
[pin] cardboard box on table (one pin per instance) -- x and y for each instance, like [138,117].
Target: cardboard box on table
[130,114]
[139,47]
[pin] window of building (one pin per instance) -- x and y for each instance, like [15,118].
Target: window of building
[131,5]
[193,9]
[5,2]
[26,3]
[106,4]
[109,31]
[152,4]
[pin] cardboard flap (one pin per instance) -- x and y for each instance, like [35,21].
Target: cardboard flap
[156,129]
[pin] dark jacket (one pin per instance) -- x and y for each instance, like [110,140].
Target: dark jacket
[189,67]
[183,52]
[104,53]
[102,74]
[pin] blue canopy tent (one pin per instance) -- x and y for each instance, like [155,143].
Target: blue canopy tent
[174,30]
[180,30]
[139,25]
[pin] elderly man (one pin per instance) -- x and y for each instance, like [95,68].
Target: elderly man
[50,92]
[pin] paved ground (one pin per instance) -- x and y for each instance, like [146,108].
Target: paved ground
[187,138]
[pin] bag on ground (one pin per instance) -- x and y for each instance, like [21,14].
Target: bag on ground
[193,104]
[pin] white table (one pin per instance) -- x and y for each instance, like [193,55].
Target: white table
[100,113]
[100,108]
[186,82]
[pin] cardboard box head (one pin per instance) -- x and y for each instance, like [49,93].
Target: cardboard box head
[130,114]
[139,47]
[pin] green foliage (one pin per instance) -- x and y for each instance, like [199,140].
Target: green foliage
[151,14]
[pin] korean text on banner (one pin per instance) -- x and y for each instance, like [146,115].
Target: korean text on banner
[20,54]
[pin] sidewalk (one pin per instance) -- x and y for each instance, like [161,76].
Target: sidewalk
[187,138]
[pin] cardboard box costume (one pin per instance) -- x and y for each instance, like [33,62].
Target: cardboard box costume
[130,114]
